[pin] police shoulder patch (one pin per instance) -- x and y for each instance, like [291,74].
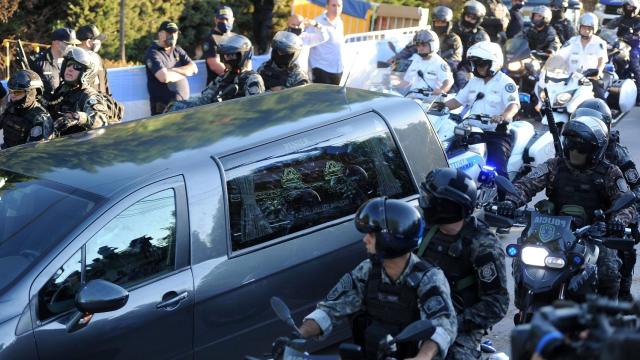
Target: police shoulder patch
[510,87]
[36,131]
[149,63]
[488,272]
[622,185]
[345,284]
[444,67]
[434,306]
[631,175]
[92,101]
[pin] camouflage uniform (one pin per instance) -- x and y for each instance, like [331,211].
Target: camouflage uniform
[592,189]
[619,156]
[248,83]
[348,297]
[474,264]
[21,126]
[90,107]
[274,76]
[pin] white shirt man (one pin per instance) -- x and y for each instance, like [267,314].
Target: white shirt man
[311,33]
[435,72]
[580,58]
[497,94]
[325,60]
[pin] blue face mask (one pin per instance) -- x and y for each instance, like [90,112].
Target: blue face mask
[224,27]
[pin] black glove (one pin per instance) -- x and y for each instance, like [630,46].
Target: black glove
[615,228]
[507,209]
[278,347]
[65,122]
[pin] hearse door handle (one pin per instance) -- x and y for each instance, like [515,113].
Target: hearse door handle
[173,302]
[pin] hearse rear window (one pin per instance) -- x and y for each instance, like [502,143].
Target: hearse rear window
[312,178]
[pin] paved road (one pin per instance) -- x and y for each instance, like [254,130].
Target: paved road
[629,128]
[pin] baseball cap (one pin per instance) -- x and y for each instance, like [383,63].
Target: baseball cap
[90,31]
[65,34]
[169,27]
[224,12]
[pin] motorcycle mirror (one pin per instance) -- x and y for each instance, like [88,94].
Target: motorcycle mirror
[622,202]
[505,185]
[383,65]
[392,46]
[618,243]
[282,311]
[417,330]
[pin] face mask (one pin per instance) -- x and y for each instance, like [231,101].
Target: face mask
[538,23]
[628,12]
[296,31]
[441,30]
[224,27]
[577,159]
[517,7]
[170,41]
[97,44]
[557,14]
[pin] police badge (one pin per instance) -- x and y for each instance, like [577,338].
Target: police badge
[546,232]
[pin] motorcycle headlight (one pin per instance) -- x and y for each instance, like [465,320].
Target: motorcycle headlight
[534,256]
[563,98]
[554,262]
[514,66]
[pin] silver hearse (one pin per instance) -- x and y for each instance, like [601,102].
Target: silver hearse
[165,237]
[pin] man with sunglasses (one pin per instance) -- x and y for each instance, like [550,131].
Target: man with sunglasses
[578,183]
[25,120]
[47,62]
[237,81]
[470,32]
[281,70]
[468,253]
[490,92]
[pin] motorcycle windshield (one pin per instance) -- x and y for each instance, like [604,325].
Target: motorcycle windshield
[517,48]
[554,232]
[556,68]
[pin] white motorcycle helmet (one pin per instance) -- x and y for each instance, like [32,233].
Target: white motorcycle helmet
[486,52]
[589,19]
[427,37]
[635,4]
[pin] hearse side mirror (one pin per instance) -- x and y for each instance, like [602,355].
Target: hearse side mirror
[97,296]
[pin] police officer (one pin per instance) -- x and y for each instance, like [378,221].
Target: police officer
[587,51]
[91,40]
[48,61]
[541,36]
[391,289]
[468,253]
[490,92]
[25,120]
[565,29]
[628,25]
[624,23]
[237,81]
[618,155]
[222,29]
[76,105]
[282,70]
[578,183]
[516,23]
[428,70]
[470,33]
[496,20]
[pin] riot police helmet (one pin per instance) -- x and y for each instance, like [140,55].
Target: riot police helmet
[485,53]
[448,195]
[473,8]
[397,226]
[442,14]
[30,84]
[630,8]
[559,4]
[545,16]
[285,48]
[427,37]
[602,110]
[585,141]
[235,51]
[81,60]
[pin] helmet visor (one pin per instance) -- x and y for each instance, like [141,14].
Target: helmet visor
[579,145]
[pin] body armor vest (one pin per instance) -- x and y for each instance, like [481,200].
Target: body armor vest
[274,76]
[447,47]
[585,190]
[390,308]
[454,258]
[17,126]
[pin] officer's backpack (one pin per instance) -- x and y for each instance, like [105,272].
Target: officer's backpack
[115,110]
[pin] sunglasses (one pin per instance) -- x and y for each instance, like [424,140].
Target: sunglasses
[75,65]
[17,92]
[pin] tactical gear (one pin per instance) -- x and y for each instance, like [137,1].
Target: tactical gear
[23,125]
[600,106]
[475,8]
[452,255]
[579,188]
[564,27]
[30,82]
[239,50]
[276,76]
[285,48]
[81,58]
[449,184]
[586,135]
[483,53]
[427,37]
[397,225]
[543,11]
[390,308]
[442,13]
[451,49]
[630,8]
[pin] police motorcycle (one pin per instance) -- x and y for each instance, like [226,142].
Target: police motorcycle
[620,94]
[617,49]
[557,261]
[294,348]
[388,77]
[522,65]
